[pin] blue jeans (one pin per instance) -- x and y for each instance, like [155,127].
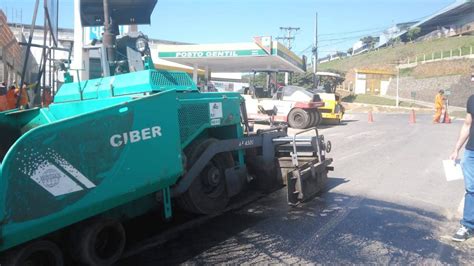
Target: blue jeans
[468,171]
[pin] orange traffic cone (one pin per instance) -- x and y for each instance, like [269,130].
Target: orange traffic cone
[447,119]
[371,117]
[412,117]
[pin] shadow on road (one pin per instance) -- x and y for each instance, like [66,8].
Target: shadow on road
[349,121]
[320,126]
[334,228]
[343,123]
[333,182]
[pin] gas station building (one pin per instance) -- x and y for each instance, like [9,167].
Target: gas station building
[226,61]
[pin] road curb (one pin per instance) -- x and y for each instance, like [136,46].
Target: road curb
[348,105]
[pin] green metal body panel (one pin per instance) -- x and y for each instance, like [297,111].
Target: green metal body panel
[67,171]
[105,154]
[140,82]
[196,116]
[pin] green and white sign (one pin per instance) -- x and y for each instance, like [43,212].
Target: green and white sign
[218,53]
[228,57]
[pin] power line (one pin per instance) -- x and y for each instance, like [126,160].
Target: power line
[378,30]
[340,40]
[305,50]
[351,37]
[289,35]
[349,32]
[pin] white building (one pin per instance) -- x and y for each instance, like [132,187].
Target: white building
[359,47]
[393,32]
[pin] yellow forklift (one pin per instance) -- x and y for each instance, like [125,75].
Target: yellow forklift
[332,112]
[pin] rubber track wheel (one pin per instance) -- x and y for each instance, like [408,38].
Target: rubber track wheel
[312,118]
[197,201]
[192,152]
[298,118]
[86,238]
[318,116]
[194,199]
[22,255]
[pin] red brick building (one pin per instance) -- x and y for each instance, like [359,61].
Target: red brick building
[10,52]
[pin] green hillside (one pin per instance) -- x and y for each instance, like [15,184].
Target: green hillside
[386,56]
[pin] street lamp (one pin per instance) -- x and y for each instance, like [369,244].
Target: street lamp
[397,101]
[397,65]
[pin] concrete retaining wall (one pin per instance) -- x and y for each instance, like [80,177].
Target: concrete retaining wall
[426,89]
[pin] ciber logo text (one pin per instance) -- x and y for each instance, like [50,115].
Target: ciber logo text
[135,136]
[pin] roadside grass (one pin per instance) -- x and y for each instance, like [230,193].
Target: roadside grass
[377,100]
[384,58]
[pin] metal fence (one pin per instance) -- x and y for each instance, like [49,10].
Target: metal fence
[461,52]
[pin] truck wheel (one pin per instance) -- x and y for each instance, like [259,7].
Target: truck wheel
[37,253]
[298,118]
[207,193]
[100,242]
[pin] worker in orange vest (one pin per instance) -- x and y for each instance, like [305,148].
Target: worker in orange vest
[46,99]
[439,105]
[23,103]
[11,97]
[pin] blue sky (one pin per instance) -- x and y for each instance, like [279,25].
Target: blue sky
[341,22]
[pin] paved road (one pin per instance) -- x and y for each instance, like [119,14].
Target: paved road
[388,202]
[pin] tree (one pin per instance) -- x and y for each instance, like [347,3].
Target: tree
[349,51]
[258,80]
[369,41]
[395,41]
[304,80]
[329,83]
[413,33]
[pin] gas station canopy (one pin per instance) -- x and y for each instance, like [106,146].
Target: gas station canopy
[237,57]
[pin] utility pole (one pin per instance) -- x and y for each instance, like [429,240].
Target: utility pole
[108,39]
[315,52]
[80,56]
[288,38]
[289,35]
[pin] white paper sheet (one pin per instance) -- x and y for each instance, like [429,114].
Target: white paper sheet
[452,170]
